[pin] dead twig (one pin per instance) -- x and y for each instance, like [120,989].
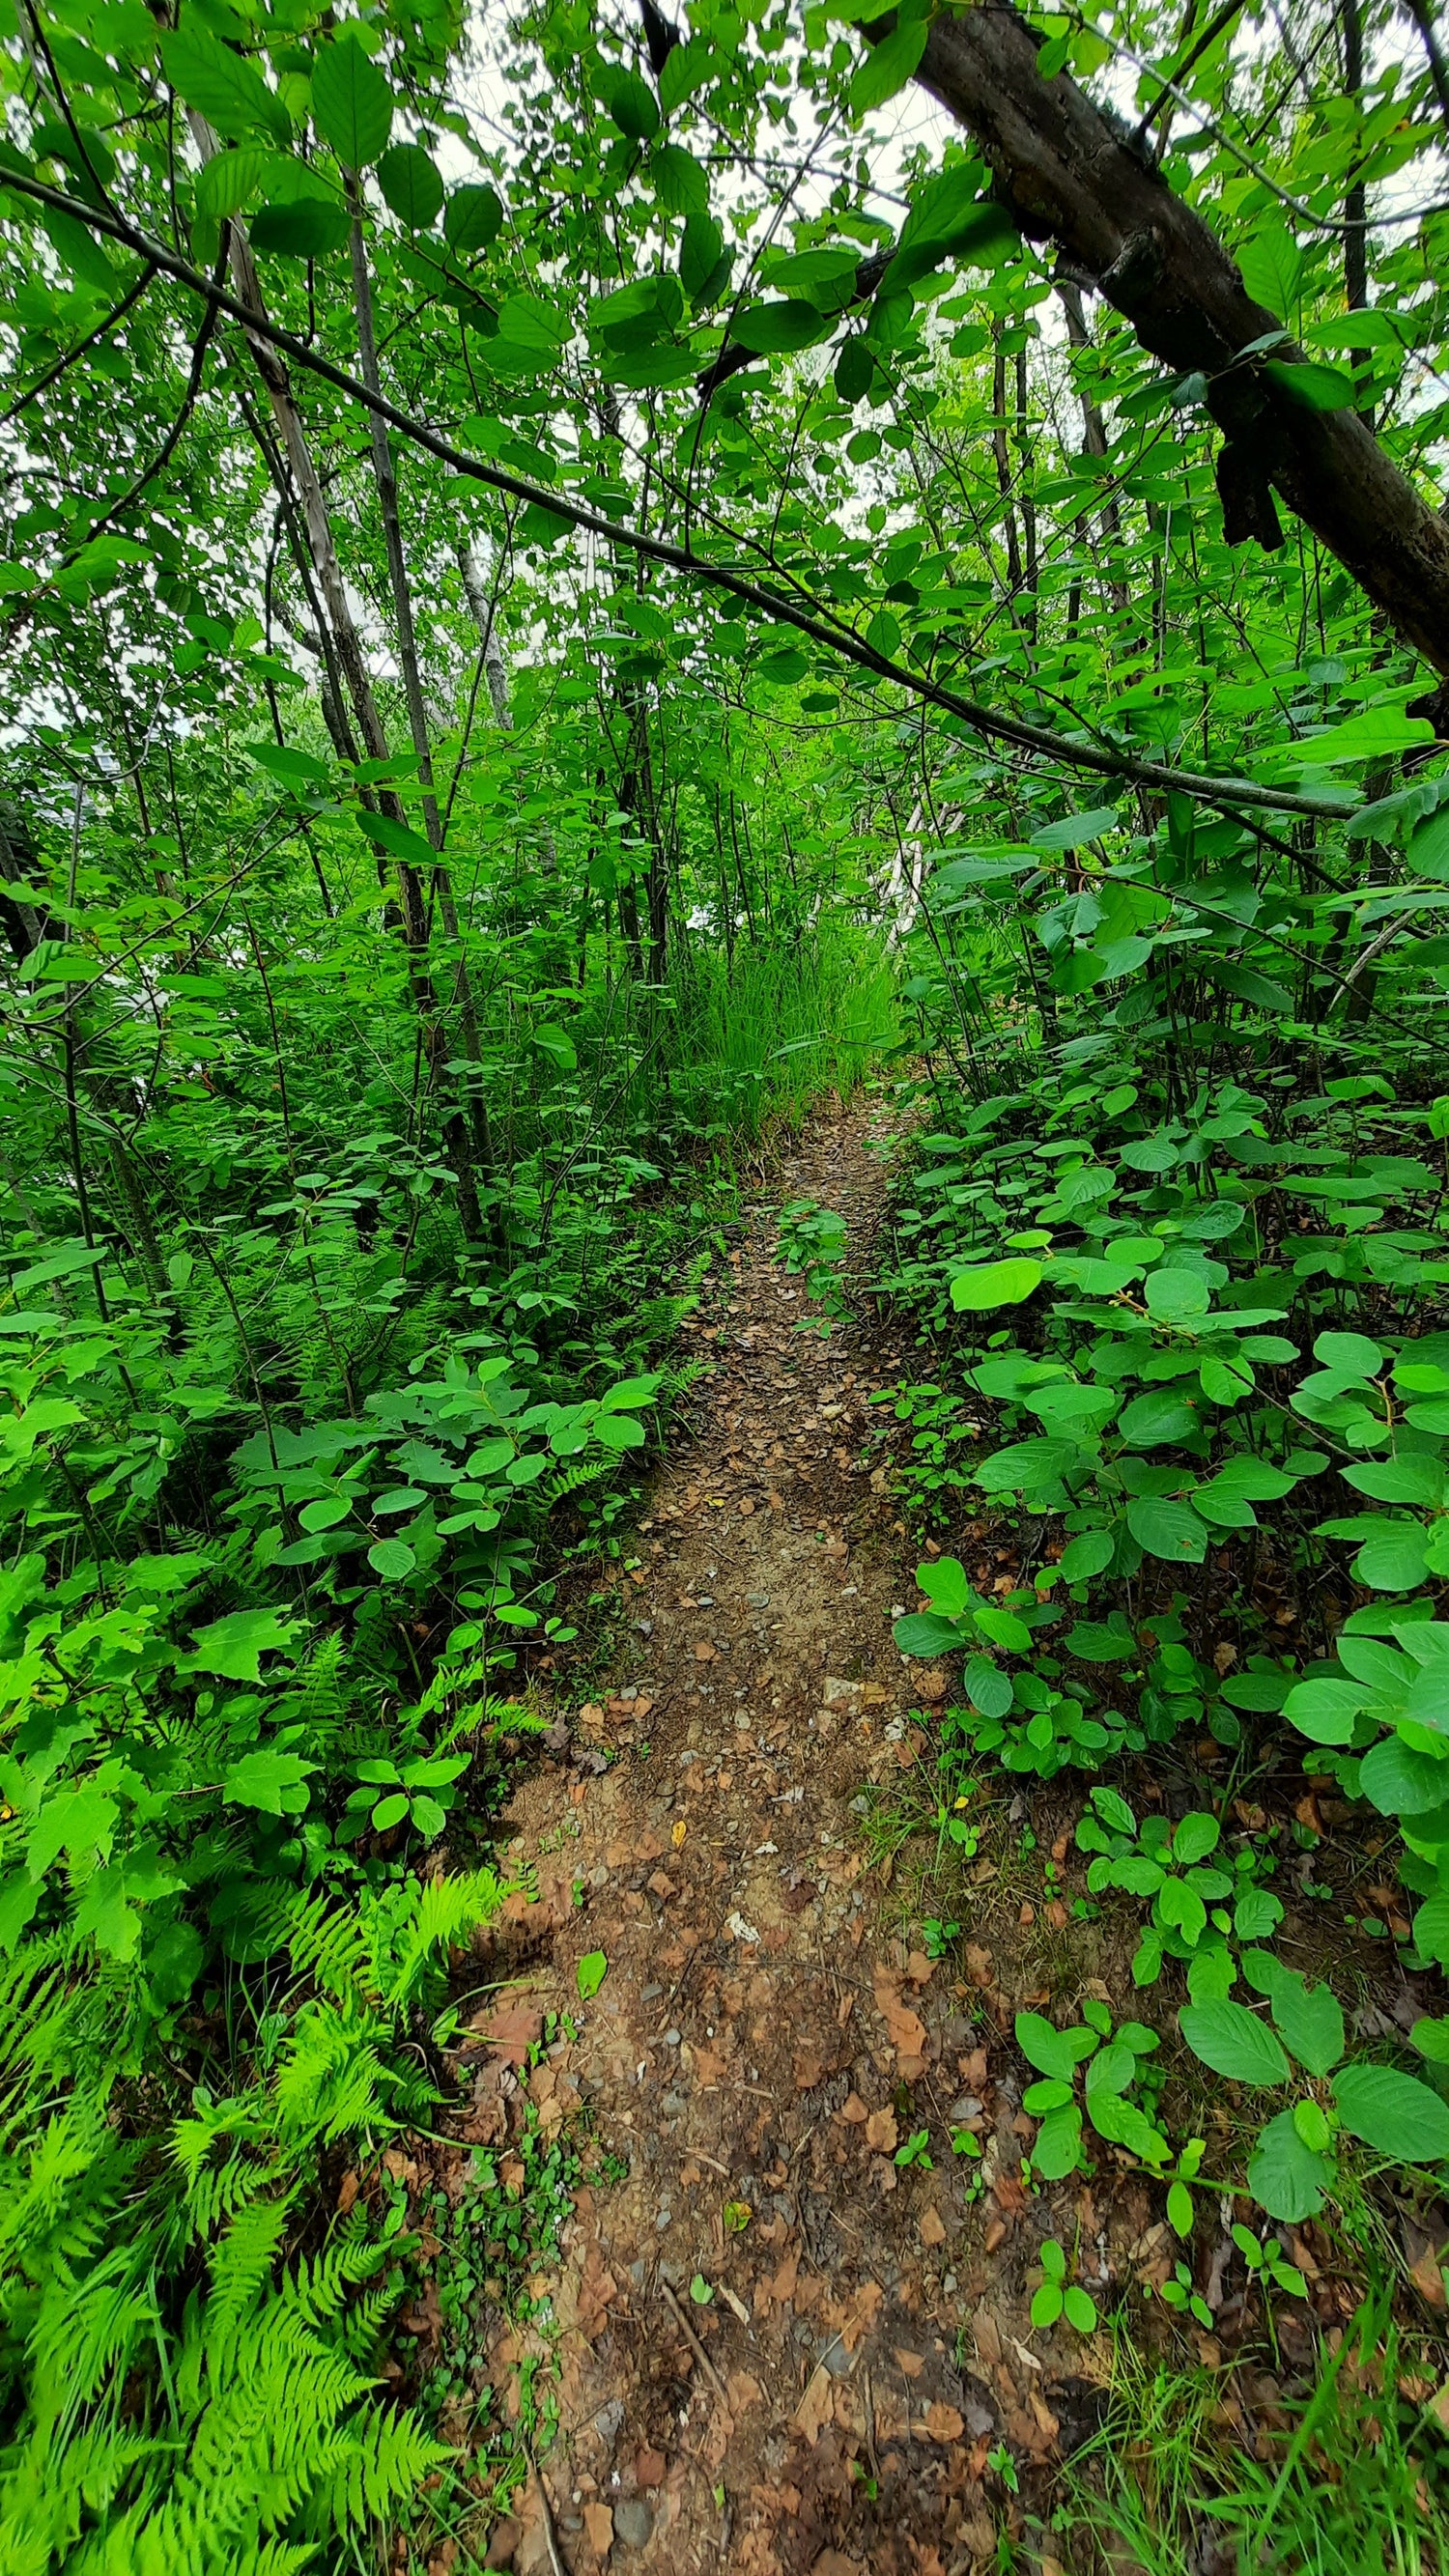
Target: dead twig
[693,2341]
[555,2559]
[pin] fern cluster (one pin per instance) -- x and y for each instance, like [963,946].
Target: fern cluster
[189,2384]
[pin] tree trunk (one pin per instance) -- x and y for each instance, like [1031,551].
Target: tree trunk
[1003,468]
[347,647]
[385,477]
[495,669]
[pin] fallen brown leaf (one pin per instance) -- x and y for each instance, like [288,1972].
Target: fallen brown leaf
[817,2406]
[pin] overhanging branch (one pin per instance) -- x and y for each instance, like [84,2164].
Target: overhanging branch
[1097,760]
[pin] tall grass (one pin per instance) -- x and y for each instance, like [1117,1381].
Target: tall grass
[780,1025]
[1356,2485]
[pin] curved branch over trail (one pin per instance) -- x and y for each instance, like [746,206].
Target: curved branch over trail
[809,617]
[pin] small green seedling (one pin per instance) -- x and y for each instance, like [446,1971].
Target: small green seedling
[1059,2297]
[1265,2262]
[1179,2293]
[916,2150]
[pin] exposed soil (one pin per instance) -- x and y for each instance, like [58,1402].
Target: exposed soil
[765,2040]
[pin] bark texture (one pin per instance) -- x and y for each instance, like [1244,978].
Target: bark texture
[1070,174]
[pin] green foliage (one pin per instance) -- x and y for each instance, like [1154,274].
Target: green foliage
[1059,2297]
[386,1032]
[1114,2067]
[151,2280]
[1355,2486]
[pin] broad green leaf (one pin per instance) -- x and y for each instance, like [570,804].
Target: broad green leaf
[680,183]
[1324,1710]
[995,1283]
[268,1780]
[687,69]
[1057,2053]
[222,86]
[946,1586]
[592,1969]
[1401,1782]
[229,179]
[1167,1529]
[1057,2148]
[1310,2019]
[854,371]
[1177,1296]
[987,1687]
[392,1558]
[1272,266]
[1233,2042]
[887,68]
[632,105]
[297,769]
[233,1646]
[771,329]
[1312,386]
[1397,2115]
[304,228]
[924,1632]
[700,252]
[531,326]
[1046,2304]
[1287,2177]
[1088,1554]
[1193,1839]
[409,181]
[351,102]
[824,278]
[1377,734]
[472,217]
[1155,1421]
[1076,830]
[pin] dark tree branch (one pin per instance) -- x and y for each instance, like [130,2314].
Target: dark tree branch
[1070,174]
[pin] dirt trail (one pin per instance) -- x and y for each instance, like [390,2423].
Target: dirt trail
[764,2040]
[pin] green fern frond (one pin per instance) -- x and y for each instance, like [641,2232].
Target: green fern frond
[571,1479]
[331,2078]
[445,1912]
[328,1942]
[317,2292]
[241,2267]
[387,2459]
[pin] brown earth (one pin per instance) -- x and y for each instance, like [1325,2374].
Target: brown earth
[768,2035]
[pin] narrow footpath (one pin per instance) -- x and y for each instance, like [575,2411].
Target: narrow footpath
[778,2349]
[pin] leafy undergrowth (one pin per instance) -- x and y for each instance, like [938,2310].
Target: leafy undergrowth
[1189,1564]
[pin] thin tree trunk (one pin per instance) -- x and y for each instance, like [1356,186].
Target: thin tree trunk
[1355,200]
[495,669]
[1031,568]
[347,646]
[1003,467]
[1094,443]
[495,672]
[385,477]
